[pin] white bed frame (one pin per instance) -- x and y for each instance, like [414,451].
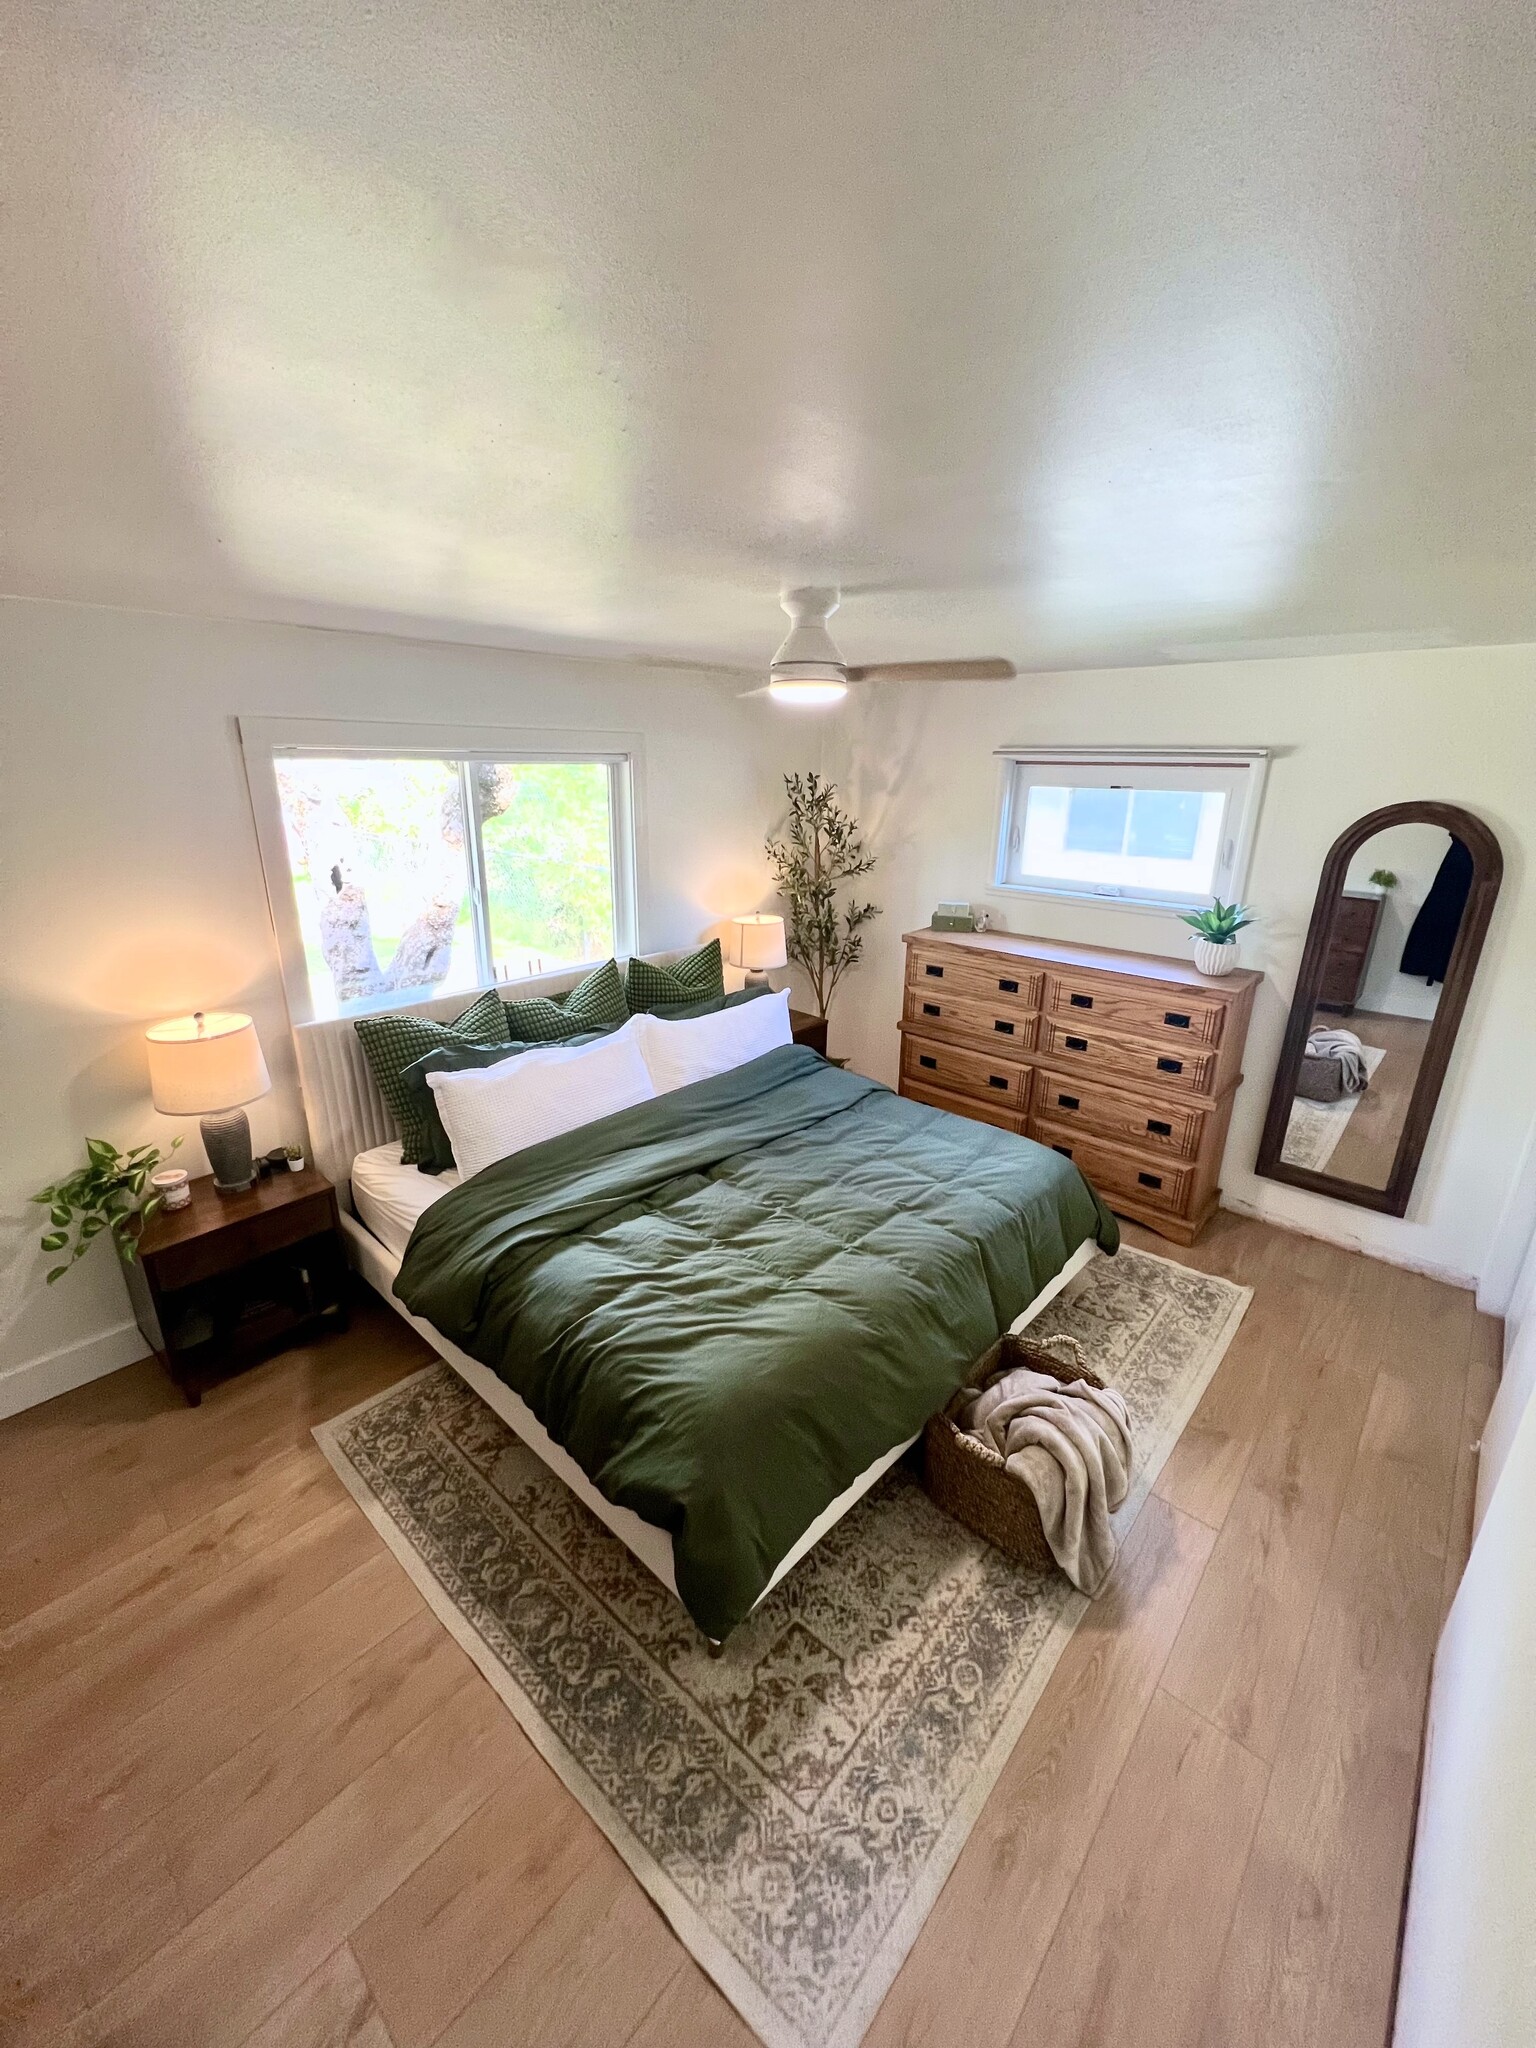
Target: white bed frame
[346,1115]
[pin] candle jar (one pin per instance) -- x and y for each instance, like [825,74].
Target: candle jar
[170,1183]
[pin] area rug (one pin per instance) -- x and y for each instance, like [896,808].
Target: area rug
[1313,1129]
[795,1805]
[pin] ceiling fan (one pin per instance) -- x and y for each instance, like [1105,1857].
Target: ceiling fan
[808,669]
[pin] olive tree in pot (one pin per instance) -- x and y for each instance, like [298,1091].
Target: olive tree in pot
[819,854]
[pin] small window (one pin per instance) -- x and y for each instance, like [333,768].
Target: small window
[1163,830]
[396,874]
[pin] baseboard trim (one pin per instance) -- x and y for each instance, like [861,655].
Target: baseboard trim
[1349,1241]
[40,1379]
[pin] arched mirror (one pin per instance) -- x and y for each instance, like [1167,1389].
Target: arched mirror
[1397,928]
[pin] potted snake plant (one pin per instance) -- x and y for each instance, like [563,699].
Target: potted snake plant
[1216,933]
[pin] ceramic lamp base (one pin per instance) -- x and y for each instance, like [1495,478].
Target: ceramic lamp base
[227,1141]
[757,979]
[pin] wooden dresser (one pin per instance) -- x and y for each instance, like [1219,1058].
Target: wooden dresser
[1124,1062]
[1351,936]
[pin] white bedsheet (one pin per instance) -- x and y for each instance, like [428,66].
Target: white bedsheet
[389,1196]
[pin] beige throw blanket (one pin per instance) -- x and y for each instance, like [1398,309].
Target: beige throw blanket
[1069,1442]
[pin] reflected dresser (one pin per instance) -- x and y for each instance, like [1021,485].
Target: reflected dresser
[1124,1062]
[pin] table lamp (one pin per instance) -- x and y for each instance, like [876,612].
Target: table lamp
[207,1065]
[757,943]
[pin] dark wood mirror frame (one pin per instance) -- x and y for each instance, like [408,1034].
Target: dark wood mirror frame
[1487,873]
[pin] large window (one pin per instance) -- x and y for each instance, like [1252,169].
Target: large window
[1164,830]
[398,869]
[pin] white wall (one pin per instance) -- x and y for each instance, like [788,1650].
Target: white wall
[1413,853]
[1348,733]
[130,887]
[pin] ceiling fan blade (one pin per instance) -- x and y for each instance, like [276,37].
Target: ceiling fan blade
[989,669]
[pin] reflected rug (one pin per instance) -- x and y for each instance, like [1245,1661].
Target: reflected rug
[795,1805]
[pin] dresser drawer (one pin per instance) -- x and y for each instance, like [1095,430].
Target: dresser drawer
[972,974]
[938,1014]
[1183,1067]
[933,1064]
[964,1105]
[1159,1184]
[1163,1015]
[1099,1112]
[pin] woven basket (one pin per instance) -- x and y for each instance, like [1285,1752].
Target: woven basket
[968,1479]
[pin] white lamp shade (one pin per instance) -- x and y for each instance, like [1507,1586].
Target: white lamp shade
[207,1062]
[757,942]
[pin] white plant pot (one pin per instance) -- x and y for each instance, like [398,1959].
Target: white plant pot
[297,1165]
[1213,959]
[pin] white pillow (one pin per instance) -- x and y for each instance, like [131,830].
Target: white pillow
[682,1049]
[490,1112]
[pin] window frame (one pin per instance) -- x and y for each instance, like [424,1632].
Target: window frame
[266,741]
[1022,768]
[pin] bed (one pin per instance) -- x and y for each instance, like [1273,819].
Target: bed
[732,1307]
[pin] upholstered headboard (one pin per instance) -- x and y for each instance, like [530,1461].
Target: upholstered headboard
[342,1105]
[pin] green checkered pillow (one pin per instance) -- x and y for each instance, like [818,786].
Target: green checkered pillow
[694,979]
[391,1044]
[595,1004]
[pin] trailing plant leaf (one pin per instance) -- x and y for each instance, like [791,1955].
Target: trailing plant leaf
[107,1193]
[820,852]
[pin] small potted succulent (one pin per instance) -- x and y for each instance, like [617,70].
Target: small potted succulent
[1383,878]
[1216,933]
[106,1194]
[294,1154]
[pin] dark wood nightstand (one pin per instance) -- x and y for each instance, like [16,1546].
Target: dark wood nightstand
[809,1030]
[221,1283]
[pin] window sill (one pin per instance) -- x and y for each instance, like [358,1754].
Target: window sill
[1168,907]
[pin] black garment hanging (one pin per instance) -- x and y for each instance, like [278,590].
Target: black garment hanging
[1433,937]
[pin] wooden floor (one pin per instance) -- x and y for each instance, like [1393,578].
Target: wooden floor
[1367,1149]
[251,1793]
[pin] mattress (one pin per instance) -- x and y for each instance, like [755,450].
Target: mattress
[389,1196]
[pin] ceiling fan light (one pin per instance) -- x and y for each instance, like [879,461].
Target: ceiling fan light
[808,692]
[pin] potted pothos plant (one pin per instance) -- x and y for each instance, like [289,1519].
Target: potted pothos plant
[106,1194]
[820,853]
[1216,933]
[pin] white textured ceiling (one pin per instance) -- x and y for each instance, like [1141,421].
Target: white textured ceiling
[1070,331]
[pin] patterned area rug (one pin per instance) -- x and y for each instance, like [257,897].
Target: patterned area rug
[794,1806]
[1314,1129]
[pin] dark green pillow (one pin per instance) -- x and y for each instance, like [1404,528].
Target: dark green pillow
[594,1004]
[696,978]
[437,1152]
[391,1044]
[675,1012]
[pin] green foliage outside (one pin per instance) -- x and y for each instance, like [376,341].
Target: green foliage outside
[549,861]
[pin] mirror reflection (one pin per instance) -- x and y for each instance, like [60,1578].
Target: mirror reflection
[1391,934]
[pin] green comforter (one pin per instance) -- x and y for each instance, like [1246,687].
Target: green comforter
[727,1303]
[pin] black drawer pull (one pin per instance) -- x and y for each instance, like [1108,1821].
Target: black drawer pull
[931,1010]
[997,1080]
[1150,1180]
[1164,1066]
[1158,1128]
[1000,1024]
[926,1060]
[936,972]
[1067,1102]
[1082,1002]
[1009,988]
[1081,1045]
[1064,1150]
[1176,1019]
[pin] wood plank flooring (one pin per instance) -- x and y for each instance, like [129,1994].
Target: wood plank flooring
[252,1796]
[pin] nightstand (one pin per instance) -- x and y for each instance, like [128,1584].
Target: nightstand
[229,1278]
[809,1030]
